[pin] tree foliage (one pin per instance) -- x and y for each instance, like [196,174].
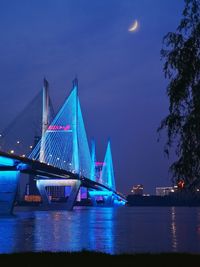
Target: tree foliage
[181,55]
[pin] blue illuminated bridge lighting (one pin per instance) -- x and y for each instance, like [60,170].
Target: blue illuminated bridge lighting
[63,154]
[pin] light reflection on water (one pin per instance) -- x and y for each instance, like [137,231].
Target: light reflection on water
[111,230]
[173,229]
[89,229]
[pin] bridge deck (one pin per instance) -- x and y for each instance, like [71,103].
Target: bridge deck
[45,171]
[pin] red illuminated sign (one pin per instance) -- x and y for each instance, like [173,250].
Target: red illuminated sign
[181,184]
[98,163]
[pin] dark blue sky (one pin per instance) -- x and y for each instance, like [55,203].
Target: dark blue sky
[121,83]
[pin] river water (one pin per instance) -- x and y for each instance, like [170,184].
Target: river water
[110,230]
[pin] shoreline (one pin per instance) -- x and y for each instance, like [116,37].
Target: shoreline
[95,258]
[172,200]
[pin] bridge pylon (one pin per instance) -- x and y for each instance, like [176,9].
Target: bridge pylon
[105,197]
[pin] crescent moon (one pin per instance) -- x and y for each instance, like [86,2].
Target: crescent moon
[134,26]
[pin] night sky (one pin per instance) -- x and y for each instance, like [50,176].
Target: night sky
[122,88]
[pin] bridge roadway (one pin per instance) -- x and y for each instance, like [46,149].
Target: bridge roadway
[47,173]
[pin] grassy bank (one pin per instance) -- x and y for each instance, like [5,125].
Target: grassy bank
[86,258]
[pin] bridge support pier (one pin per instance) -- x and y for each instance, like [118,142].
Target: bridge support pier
[109,201]
[46,202]
[106,196]
[9,179]
[8,191]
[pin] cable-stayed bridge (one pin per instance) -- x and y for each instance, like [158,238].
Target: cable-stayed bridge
[61,158]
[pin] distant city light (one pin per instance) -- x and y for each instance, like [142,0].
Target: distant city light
[137,189]
[30,147]
[12,151]
[18,142]
[165,190]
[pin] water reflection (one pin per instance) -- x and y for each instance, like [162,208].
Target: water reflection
[173,229]
[111,230]
[74,231]
[7,232]
[101,232]
[198,225]
[16,234]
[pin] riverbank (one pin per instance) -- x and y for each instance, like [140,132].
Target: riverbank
[88,258]
[179,199]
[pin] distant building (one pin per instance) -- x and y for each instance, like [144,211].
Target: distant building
[137,190]
[164,191]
